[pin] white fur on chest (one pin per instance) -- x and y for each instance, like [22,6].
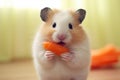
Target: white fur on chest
[78,69]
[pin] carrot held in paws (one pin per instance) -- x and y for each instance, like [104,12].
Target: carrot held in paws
[56,48]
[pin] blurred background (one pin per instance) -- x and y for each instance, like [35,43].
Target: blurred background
[19,20]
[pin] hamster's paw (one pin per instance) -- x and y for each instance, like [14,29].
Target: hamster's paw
[49,55]
[67,57]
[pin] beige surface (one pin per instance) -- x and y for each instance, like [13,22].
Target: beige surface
[24,70]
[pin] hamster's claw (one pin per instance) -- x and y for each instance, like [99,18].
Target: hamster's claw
[49,55]
[67,57]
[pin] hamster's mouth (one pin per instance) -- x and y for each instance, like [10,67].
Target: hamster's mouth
[61,43]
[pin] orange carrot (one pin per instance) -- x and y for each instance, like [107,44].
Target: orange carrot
[104,57]
[100,58]
[56,48]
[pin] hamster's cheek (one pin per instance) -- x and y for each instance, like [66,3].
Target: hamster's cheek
[68,38]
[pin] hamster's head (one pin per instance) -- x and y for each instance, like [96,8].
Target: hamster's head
[62,27]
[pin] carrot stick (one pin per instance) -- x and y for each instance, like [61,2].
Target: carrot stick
[105,56]
[56,48]
[100,58]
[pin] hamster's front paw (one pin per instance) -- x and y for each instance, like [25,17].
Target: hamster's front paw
[49,55]
[67,57]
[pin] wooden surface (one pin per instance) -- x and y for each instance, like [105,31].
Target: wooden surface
[24,70]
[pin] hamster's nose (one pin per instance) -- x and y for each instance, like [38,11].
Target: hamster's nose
[61,36]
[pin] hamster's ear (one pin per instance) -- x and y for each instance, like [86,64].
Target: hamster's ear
[82,14]
[44,14]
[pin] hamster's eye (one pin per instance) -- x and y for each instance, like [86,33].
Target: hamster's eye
[70,26]
[54,25]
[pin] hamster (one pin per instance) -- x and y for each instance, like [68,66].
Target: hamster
[63,28]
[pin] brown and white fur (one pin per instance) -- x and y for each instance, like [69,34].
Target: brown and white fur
[62,27]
